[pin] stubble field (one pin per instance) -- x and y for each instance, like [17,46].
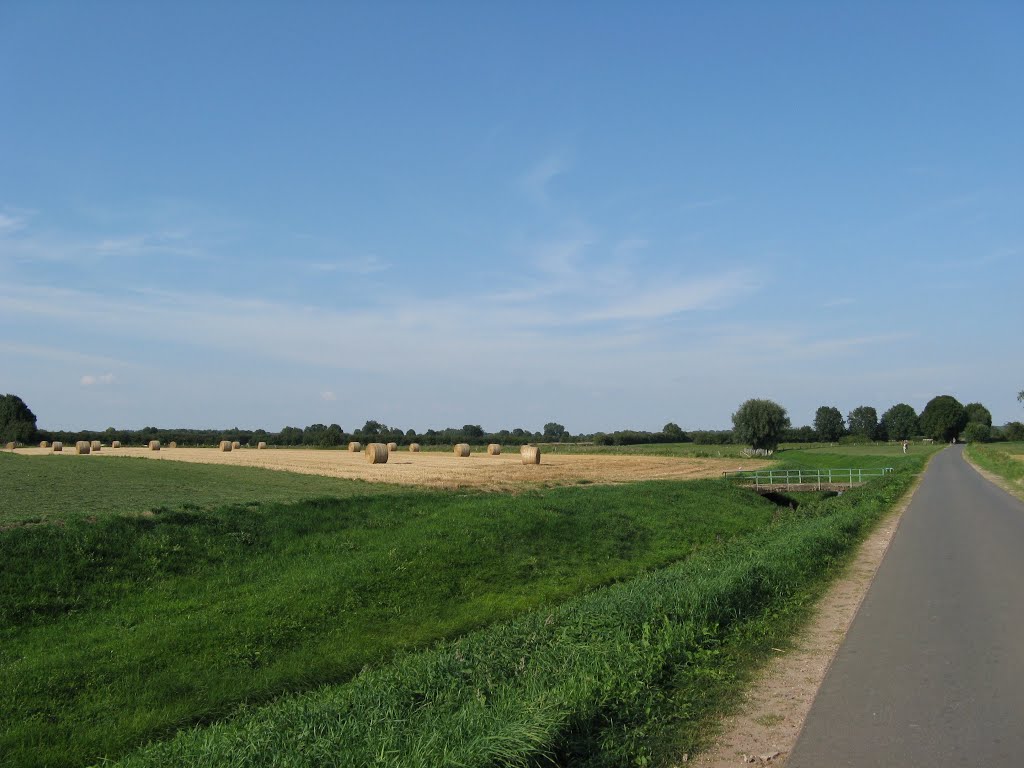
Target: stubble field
[442,470]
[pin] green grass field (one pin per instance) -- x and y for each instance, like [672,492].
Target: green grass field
[624,675]
[868,456]
[34,488]
[127,627]
[1002,459]
[144,603]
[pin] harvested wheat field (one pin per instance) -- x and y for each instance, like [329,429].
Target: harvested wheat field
[445,470]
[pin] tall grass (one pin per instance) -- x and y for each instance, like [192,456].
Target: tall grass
[122,629]
[608,678]
[999,459]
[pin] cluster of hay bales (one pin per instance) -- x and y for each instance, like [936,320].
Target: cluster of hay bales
[355,447]
[260,446]
[225,445]
[82,447]
[414,447]
[530,454]
[462,450]
[377,453]
[154,445]
[115,443]
[58,447]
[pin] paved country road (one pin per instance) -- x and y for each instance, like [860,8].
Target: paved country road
[932,670]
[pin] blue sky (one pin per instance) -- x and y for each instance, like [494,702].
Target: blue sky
[609,215]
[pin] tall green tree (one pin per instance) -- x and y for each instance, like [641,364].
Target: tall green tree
[863,421]
[17,422]
[828,423]
[943,418]
[554,431]
[978,413]
[900,422]
[760,423]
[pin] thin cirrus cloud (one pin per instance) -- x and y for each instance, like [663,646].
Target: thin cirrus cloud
[89,380]
[537,179]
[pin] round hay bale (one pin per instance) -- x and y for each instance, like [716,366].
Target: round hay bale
[44,444]
[82,447]
[172,444]
[115,443]
[392,447]
[225,445]
[530,454]
[58,447]
[9,446]
[377,453]
[494,449]
[414,447]
[95,445]
[260,446]
[154,445]
[355,447]
[235,445]
[462,450]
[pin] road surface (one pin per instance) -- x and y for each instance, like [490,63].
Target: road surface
[931,672]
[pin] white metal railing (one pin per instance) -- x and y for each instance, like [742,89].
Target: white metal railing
[849,476]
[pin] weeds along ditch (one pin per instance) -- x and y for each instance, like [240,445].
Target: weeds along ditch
[623,675]
[119,629]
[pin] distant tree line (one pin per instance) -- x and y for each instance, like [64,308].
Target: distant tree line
[759,423]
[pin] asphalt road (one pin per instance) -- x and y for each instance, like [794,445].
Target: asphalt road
[931,672]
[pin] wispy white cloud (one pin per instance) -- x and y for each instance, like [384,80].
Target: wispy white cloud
[11,222]
[89,380]
[670,297]
[537,179]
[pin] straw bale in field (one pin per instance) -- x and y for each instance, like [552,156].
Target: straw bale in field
[115,443]
[462,450]
[530,454]
[494,449]
[260,446]
[82,447]
[154,445]
[226,445]
[355,447]
[235,445]
[414,447]
[9,446]
[377,453]
[172,444]
[44,444]
[58,447]
[95,445]
[392,447]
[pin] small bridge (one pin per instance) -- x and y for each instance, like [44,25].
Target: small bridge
[774,480]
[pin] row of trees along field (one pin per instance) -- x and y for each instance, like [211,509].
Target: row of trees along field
[759,423]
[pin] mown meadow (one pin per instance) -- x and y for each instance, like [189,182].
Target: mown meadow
[375,625]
